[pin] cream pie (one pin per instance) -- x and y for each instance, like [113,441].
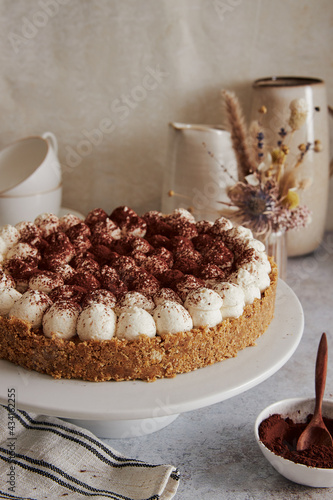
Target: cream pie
[120,296]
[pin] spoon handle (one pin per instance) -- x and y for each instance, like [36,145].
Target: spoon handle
[321,370]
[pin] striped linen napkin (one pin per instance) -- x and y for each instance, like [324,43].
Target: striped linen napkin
[43,457]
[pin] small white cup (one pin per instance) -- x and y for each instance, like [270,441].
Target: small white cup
[30,165]
[14,209]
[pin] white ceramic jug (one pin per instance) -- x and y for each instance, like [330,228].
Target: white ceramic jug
[200,165]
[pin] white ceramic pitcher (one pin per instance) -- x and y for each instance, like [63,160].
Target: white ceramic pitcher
[198,179]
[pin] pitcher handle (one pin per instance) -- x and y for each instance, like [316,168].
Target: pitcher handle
[51,138]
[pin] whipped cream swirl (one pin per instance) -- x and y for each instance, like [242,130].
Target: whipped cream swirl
[172,317]
[204,305]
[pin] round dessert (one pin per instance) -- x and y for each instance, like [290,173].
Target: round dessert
[123,297]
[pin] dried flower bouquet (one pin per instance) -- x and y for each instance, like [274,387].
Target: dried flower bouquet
[266,196]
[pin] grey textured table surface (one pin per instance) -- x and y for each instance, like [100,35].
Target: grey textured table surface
[214,447]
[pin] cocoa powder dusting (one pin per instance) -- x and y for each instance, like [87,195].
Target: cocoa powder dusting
[280,435]
[210,271]
[121,215]
[95,216]
[135,226]
[21,268]
[187,284]
[100,253]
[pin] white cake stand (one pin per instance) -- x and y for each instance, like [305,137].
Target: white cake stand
[135,408]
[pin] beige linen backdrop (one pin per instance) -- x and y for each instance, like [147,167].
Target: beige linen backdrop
[106,76]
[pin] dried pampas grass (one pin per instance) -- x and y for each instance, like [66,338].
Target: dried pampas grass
[239,136]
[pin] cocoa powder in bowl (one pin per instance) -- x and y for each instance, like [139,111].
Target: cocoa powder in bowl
[280,435]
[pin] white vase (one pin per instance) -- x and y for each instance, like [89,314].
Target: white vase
[276,94]
[276,247]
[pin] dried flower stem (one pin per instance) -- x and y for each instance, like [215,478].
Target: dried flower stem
[238,132]
[225,170]
[287,181]
[255,131]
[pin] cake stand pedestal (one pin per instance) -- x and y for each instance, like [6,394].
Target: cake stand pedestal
[115,429]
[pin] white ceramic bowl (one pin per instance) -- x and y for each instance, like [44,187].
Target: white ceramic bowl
[297,409]
[30,166]
[14,209]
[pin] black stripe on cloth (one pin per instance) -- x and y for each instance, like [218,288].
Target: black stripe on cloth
[14,497]
[175,475]
[76,432]
[53,468]
[126,462]
[94,491]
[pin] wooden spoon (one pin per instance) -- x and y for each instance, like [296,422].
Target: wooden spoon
[316,432]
